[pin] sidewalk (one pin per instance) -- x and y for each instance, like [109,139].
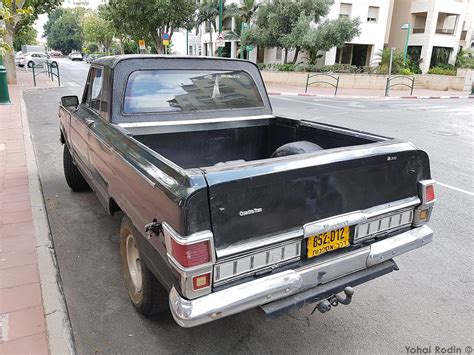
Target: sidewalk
[24,328]
[279,89]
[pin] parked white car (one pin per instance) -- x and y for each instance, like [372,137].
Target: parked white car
[75,56]
[34,57]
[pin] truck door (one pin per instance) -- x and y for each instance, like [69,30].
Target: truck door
[84,118]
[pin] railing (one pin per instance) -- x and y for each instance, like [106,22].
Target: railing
[445,31]
[51,66]
[335,85]
[388,86]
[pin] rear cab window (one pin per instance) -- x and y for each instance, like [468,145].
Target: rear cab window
[165,91]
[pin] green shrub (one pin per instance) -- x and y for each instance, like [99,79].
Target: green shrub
[406,71]
[442,71]
[261,66]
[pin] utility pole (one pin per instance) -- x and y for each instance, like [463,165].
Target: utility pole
[220,26]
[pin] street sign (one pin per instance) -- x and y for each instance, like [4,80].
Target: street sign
[249,48]
[220,43]
[166,42]
[141,44]
[165,37]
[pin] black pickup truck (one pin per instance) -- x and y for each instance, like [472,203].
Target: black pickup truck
[228,207]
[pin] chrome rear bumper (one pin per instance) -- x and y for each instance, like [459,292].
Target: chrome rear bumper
[190,313]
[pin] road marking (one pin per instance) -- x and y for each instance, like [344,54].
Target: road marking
[309,103]
[455,188]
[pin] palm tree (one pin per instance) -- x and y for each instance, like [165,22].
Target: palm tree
[207,13]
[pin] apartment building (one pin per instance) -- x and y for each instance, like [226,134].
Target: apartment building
[437,29]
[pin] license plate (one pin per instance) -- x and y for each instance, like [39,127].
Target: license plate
[328,241]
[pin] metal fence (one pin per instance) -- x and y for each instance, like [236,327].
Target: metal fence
[52,70]
[334,84]
[403,80]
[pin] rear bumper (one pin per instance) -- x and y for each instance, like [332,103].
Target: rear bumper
[190,313]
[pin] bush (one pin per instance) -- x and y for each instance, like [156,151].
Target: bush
[261,66]
[439,70]
[406,71]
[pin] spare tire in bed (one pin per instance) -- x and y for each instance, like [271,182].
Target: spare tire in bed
[296,148]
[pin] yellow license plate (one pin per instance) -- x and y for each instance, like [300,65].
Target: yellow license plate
[328,241]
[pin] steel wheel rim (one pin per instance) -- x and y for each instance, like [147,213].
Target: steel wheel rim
[133,263]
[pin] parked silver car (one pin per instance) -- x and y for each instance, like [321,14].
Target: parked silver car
[34,57]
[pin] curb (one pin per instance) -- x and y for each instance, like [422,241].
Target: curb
[370,97]
[58,326]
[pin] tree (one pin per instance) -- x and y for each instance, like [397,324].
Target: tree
[26,35]
[150,19]
[52,18]
[294,25]
[66,32]
[208,12]
[329,34]
[99,30]
[20,13]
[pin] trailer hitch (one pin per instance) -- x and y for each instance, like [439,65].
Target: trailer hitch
[333,301]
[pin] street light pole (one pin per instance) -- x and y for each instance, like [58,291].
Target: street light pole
[220,26]
[406,27]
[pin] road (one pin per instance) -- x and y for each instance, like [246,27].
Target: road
[427,303]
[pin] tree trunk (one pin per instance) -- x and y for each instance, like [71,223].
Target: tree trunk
[9,57]
[295,58]
[285,60]
[157,39]
[211,47]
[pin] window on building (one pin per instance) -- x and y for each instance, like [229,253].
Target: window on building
[446,23]
[419,22]
[278,54]
[345,10]
[373,14]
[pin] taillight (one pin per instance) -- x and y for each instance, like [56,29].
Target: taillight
[191,254]
[429,193]
[201,281]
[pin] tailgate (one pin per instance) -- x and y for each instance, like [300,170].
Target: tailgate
[268,197]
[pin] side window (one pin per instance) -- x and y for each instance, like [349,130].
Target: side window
[95,90]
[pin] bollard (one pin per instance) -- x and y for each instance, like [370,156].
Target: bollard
[4,95]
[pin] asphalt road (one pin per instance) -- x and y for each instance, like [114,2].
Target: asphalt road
[427,303]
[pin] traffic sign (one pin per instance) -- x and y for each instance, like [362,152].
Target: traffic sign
[166,42]
[165,36]
[220,40]
[141,44]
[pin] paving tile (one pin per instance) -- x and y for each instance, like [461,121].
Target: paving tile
[17,258]
[17,217]
[24,323]
[16,190]
[35,344]
[16,206]
[24,243]
[17,229]
[20,297]
[17,276]
[15,175]
[15,182]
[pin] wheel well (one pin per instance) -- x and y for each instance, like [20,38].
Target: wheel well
[113,207]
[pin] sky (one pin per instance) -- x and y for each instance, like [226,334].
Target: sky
[38,25]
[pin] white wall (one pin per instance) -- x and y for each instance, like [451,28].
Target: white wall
[371,33]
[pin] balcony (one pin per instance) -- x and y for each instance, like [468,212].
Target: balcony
[419,22]
[446,23]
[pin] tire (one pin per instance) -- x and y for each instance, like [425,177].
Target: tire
[146,293]
[28,64]
[73,176]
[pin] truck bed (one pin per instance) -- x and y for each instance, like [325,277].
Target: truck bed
[245,141]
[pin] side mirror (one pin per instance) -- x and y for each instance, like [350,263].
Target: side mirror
[70,101]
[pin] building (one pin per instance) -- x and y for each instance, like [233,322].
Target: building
[437,29]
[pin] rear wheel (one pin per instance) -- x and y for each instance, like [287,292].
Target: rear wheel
[74,178]
[146,293]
